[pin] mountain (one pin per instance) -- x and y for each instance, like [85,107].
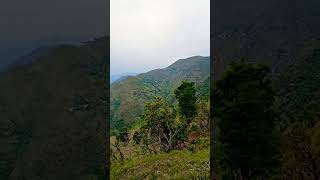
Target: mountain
[127,97]
[285,35]
[119,77]
[52,112]
[29,58]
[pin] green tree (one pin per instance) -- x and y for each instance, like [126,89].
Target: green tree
[242,108]
[186,96]
[160,120]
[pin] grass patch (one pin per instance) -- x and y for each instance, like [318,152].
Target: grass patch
[174,165]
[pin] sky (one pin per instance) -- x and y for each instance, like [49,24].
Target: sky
[30,24]
[149,34]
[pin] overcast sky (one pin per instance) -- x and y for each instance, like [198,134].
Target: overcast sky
[150,34]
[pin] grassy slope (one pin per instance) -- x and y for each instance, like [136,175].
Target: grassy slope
[177,164]
[174,165]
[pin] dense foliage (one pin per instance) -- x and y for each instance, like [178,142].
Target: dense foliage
[298,106]
[186,95]
[242,106]
[265,125]
[166,129]
[161,123]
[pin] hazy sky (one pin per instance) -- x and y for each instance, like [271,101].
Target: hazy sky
[149,34]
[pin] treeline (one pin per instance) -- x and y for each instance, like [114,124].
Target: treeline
[166,126]
[262,127]
[252,137]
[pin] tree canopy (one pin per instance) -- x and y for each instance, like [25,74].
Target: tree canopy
[242,107]
[186,96]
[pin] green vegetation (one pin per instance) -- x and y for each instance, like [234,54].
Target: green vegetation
[298,90]
[181,164]
[161,125]
[129,95]
[186,95]
[52,114]
[267,126]
[298,106]
[167,142]
[242,107]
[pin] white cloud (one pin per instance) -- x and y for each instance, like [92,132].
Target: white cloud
[148,34]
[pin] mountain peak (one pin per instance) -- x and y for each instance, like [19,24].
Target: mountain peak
[192,58]
[135,91]
[185,64]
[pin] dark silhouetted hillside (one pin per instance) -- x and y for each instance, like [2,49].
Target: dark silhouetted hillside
[53,114]
[285,35]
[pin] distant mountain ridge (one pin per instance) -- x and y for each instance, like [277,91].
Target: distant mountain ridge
[29,58]
[119,77]
[129,95]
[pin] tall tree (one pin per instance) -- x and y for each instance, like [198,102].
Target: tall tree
[242,101]
[187,99]
[161,123]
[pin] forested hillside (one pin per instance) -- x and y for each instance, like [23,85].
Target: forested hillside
[169,140]
[284,35]
[129,95]
[53,112]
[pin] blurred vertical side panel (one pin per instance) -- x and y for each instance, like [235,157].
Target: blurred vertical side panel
[54,90]
[284,35]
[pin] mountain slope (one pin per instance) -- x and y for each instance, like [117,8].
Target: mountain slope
[52,112]
[176,165]
[119,77]
[129,95]
[282,34]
